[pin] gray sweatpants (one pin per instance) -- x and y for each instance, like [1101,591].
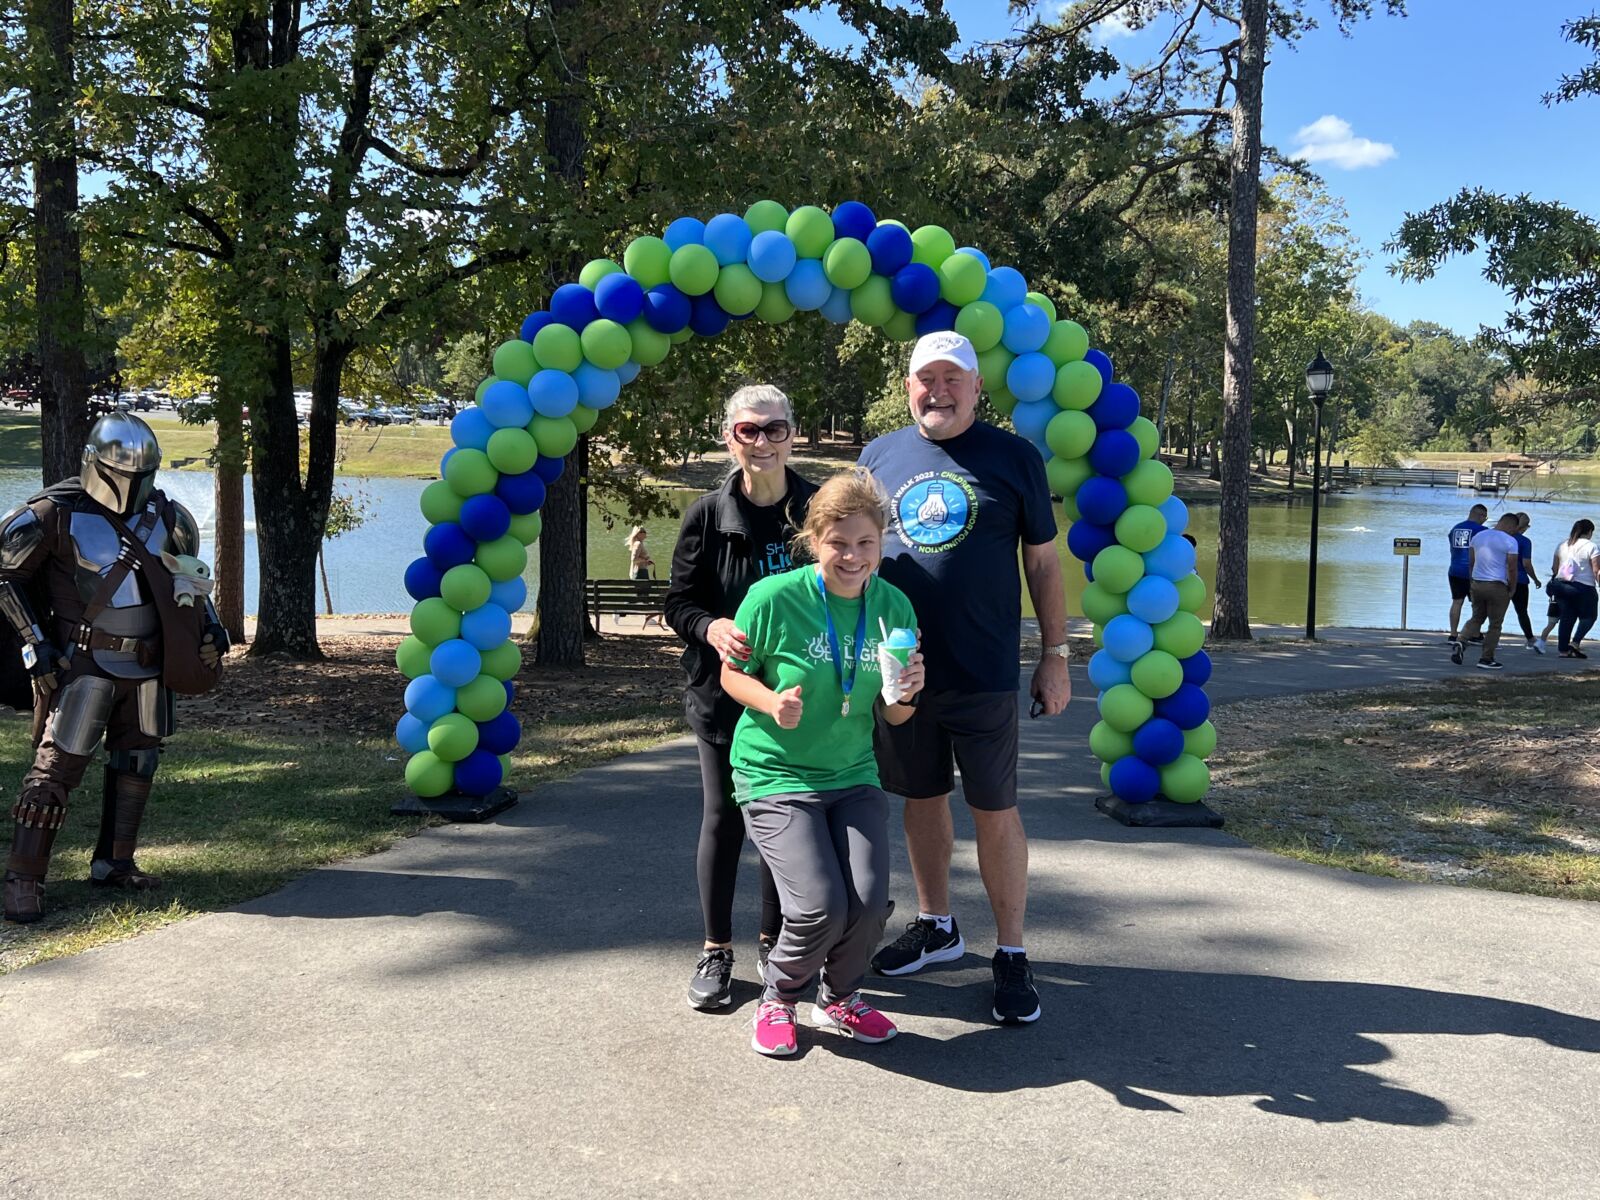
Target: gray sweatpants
[829,854]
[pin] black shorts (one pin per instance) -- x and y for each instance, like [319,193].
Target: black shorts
[1460,587]
[974,730]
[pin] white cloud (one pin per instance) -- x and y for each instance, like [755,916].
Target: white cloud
[1109,30]
[1330,139]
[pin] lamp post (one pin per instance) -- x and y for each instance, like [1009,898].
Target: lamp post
[1319,381]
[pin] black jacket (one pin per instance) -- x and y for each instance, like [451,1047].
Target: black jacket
[713,566]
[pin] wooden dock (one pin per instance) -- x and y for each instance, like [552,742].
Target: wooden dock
[1494,481]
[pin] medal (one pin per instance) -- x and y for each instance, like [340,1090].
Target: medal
[846,682]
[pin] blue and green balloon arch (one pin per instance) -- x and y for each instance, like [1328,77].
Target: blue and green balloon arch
[571,362]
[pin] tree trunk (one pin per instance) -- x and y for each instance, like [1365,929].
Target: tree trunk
[1166,393]
[58,265]
[585,454]
[322,569]
[1289,428]
[1231,616]
[229,494]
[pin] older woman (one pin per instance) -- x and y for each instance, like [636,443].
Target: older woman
[731,538]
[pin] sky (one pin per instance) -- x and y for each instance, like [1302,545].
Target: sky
[1403,114]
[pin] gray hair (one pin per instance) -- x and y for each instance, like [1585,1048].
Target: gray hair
[757,396]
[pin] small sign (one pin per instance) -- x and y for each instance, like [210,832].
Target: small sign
[1408,545]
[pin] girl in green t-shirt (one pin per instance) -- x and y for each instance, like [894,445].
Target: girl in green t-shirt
[803,764]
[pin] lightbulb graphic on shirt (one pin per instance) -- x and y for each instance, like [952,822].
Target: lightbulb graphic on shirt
[934,512]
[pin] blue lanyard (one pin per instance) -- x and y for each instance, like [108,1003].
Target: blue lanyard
[846,682]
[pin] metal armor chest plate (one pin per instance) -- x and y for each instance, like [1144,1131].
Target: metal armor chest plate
[130,612]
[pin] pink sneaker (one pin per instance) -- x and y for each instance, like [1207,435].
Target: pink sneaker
[774,1033]
[854,1018]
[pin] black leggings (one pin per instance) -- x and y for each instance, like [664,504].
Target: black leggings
[1519,599]
[721,841]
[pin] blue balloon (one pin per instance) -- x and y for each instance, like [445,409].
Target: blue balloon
[1027,326]
[1006,288]
[1106,672]
[509,594]
[1101,362]
[1196,668]
[1101,500]
[485,518]
[522,494]
[685,231]
[506,405]
[444,459]
[1158,741]
[447,545]
[772,256]
[455,663]
[836,307]
[891,248]
[411,733]
[666,309]
[485,627]
[471,428]
[548,469]
[1127,638]
[1172,559]
[1030,418]
[915,287]
[706,316]
[619,298]
[976,253]
[1135,780]
[532,323]
[573,305]
[628,372]
[1153,599]
[422,579]
[940,317]
[807,287]
[511,693]
[853,219]
[427,699]
[597,387]
[1187,708]
[728,237]
[479,773]
[554,393]
[1031,376]
[501,735]
[1115,452]
[1116,407]
[1176,513]
[1086,539]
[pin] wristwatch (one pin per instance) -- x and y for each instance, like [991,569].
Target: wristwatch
[1061,650]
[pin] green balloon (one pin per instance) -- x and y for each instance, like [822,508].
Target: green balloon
[1070,434]
[737,290]
[428,775]
[453,736]
[1140,528]
[993,364]
[981,324]
[1099,638]
[1068,342]
[1201,741]
[649,260]
[1043,302]
[595,270]
[1003,400]
[583,419]
[502,559]
[962,279]
[503,662]
[1066,475]
[434,621]
[558,348]
[505,770]
[775,307]
[1180,635]
[1157,674]
[556,436]
[605,343]
[527,528]
[1125,707]
[682,336]
[1077,386]
[470,473]
[1105,776]
[515,361]
[483,387]
[693,269]
[811,231]
[1108,744]
[1185,779]
[1101,605]
[650,346]
[1117,568]
[847,263]
[1148,483]
[512,451]
[872,303]
[412,655]
[931,245]
[439,503]
[483,699]
[766,214]
[1191,593]
[896,224]
[1147,435]
[464,588]
[1069,504]
[902,327]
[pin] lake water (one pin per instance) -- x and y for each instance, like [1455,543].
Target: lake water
[1358,573]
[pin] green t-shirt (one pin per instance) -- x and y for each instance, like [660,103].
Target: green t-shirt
[782,619]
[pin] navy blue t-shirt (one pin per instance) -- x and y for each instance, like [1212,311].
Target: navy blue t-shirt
[1524,552]
[959,507]
[1460,541]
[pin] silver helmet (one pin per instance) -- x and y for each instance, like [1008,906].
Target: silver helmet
[120,462]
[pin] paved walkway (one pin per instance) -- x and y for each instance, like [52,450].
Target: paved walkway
[498,1011]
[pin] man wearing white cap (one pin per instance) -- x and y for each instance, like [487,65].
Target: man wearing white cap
[964,495]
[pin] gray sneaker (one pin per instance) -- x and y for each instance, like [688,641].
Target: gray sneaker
[712,983]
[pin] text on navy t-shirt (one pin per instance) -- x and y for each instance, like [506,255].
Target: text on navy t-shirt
[1460,541]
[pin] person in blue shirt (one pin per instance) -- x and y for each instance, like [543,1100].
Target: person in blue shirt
[1461,536]
[1525,576]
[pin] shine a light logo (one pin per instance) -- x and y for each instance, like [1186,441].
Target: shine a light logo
[934,511]
[818,652]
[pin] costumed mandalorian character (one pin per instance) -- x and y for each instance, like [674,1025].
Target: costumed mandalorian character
[78,563]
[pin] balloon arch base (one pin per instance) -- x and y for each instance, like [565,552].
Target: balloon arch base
[456,807]
[1159,814]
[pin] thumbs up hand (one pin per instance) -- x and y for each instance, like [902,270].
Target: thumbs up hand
[787,710]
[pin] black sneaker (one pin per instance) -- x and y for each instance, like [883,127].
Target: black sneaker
[1457,652]
[712,985]
[1016,1000]
[764,946]
[1475,641]
[1489,664]
[922,943]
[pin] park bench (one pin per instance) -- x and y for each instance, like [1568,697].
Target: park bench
[627,597]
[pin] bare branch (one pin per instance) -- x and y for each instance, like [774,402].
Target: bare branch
[417,167]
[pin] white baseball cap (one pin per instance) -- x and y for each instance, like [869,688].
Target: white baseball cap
[944,346]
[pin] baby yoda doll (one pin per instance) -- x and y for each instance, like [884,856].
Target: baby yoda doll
[190,577]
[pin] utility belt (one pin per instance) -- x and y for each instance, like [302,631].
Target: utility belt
[146,651]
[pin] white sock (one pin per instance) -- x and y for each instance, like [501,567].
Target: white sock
[945,923]
[1011,949]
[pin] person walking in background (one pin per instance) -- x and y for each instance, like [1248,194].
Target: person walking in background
[1573,571]
[1525,576]
[640,564]
[1461,536]
[1492,562]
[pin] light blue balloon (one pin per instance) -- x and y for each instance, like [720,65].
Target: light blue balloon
[411,733]
[1027,327]
[1126,638]
[485,627]
[1030,418]
[1006,288]
[836,307]
[807,286]
[1030,376]
[685,231]
[976,253]
[628,372]
[1176,512]
[471,428]
[1106,672]
[444,459]
[1153,599]
[1172,559]
[772,256]
[597,386]
[506,406]
[428,698]
[509,594]
[554,393]
[728,237]
[455,663]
